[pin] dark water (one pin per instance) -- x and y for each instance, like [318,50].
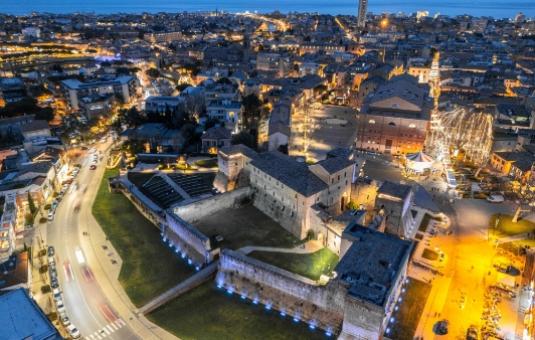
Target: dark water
[495,8]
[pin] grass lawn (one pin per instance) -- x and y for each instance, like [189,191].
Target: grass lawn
[245,226]
[410,310]
[310,265]
[207,163]
[149,267]
[508,228]
[207,313]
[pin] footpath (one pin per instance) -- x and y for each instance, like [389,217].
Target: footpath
[107,272]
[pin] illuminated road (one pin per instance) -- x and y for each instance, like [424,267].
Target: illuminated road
[281,25]
[86,304]
[348,32]
[459,295]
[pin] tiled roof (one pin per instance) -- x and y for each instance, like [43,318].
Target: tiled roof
[290,172]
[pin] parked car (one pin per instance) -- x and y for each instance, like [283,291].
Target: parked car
[92,167]
[51,251]
[472,333]
[60,306]
[64,320]
[73,331]
[495,198]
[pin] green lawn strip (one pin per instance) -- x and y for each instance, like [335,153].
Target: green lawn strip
[245,226]
[207,163]
[310,265]
[507,227]
[208,313]
[410,310]
[149,267]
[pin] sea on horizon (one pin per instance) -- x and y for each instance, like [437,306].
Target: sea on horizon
[494,8]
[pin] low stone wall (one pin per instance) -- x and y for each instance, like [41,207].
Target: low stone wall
[196,210]
[188,240]
[291,294]
[143,204]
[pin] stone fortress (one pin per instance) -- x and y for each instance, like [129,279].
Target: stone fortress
[309,201]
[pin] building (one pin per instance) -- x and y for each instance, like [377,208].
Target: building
[31,32]
[373,271]
[519,165]
[155,136]
[8,224]
[513,116]
[162,104]
[395,119]
[215,138]
[228,112]
[289,191]
[37,128]
[272,63]
[21,318]
[163,37]
[361,15]
[12,90]
[41,178]
[394,201]
[122,87]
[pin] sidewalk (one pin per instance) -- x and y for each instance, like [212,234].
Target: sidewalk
[435,303]
[107,273]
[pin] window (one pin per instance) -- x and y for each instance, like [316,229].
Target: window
[371,121]
[392,124]
[412,126]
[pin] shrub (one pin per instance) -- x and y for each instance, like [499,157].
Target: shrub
[45,289]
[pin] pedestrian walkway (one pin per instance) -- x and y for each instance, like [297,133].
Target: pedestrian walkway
[183,287]
[107,272]
[106,330]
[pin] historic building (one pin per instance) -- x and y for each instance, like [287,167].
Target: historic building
[285,189]
[395,119]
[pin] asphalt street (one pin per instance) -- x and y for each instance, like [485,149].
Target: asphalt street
[87,306]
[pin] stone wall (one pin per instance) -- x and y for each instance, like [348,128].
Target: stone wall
[196,210]
[294,295]
[188,240]
[143,204]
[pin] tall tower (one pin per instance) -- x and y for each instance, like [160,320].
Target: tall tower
[363,8]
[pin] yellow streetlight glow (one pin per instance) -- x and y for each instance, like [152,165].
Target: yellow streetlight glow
[384,23]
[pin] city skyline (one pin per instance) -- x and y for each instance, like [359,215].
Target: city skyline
[217,175]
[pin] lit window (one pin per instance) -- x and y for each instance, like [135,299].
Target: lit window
[412,126]
[371,121]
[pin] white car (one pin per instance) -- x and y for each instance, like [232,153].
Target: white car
[64,320]
[495,198]
[50,215]
[73,331]
[60,307]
